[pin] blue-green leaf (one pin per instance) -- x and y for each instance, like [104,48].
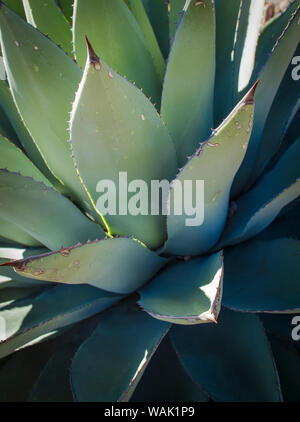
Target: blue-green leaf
[287,361]
[231,361]
[263,276]
[195,301]
[123,134]
[141,16]
[192,236]
[271,76]
[56,307]
[94,263]
[115,34]
[165,380]
[43,213]
[47,18]
[188,90]
[43,81]
[176,8]
[260,206]
[14,160]
[109,364]
[158,15]
[227,12]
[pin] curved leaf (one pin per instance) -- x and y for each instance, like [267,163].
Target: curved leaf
[270,33]
[287,224]
[176,8]
[16,6]
[43,213]
[94,263]
[47,18]
[188,237]
[187,98]
[141,16]
[165,380]
[114,32]
[67,8]
[19,372]
[121,129]
[26,141]
[14,160]
[53,383]
[278,121]
[43,81]
[6,128]
[280,326]
[246,38]
[55,307]
[288,364]
[15,234]
[263,276]
[194,301]
[271,76]
[158,15]
[8,275]
[211,354]
[227,12]
[259,207]
[10,294]
[110,363]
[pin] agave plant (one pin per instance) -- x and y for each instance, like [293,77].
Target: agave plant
[145,307]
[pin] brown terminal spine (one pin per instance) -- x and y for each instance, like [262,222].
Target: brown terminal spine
[93,58]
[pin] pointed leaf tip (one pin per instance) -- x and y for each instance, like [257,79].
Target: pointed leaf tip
[93,58]
[249,97]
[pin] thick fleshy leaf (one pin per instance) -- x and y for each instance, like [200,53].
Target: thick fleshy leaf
[158,15]
[282,326]
[287,361]
[43,80]
[271,32]
[291,136]
[188,91]
[263,276]
[16,6]
[286,225]
[53,383]
[15,234]
[186,292]
[8,276]
[260,206]
[117,265]
[123,134]
[246,38]
[231,361]
[9,295]
[55,307]
[227,12]
[43,213]
[165,380]
[109,364]
[141,16]
[286,100]
[19,372]
[67,8]
[176,8]
[117,37]
[47,18]
[6,129]
[14,160]
[26,141]
[187,236]
[271,76]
